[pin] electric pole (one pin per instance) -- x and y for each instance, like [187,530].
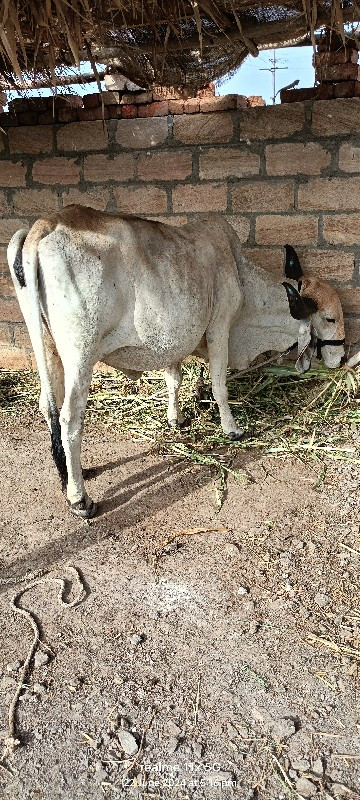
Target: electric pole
[273,69]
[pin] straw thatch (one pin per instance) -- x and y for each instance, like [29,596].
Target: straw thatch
[176,43]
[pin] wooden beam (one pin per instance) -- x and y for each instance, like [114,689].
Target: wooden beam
[46,83]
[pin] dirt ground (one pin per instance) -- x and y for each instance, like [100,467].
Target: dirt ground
[217,664]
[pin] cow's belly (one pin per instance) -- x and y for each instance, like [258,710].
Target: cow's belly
[142,359]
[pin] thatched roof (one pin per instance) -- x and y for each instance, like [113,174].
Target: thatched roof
[177,43]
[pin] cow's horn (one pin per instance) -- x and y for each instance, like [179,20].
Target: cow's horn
[292,264]
[300,307]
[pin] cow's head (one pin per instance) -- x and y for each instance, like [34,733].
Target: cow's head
[316,304]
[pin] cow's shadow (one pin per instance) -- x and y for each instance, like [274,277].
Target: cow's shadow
[119,509]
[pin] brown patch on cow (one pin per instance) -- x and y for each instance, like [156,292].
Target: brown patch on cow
[82,218]
[327,300]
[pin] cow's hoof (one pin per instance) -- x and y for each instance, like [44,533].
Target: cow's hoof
[84,508]
[235,436]
[177,424]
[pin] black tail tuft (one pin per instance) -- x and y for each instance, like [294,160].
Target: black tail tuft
[57,450]
[19,268]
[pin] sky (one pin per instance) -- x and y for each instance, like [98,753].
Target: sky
[253,78]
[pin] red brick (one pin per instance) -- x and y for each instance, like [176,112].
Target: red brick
[342,229]
[342,56]
[98,197]
[337,72]
[176,107]
[142,200]
[296,158]
[271,122]
[56,170]
[294,228]
[129,112]
[352,332]
[327,264]
[65,101]
[28,118]
[324,264]
[192,105]
[14,358]
[345,89]
[12,174]
[336,117]
[270,259]
[141,133]
[91,100]
[165,166]
[37,139]
[241,226]
[10,310]
[35,201]
[48,117]
[110,98]
[5,337]
[3,259]
[204,128]
[9,226]
[224,162]
[207,91]
[263,196]
[135,98]
[200,197]
[68,114]
[114,112]
[226,102]
[330,194]
[6,286]
[254,100]
[349,157]
[154,109]
[19,104]
[4,205]
[167,93]
[323,92]
[242,101]
[8,120]
[101,168]
[82,136]
[21,336]
[88,114]
[350,300]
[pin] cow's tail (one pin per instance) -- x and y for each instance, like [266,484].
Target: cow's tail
[24,263]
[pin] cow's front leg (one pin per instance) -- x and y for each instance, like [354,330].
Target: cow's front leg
[173,378]
[72,422]
[217,341]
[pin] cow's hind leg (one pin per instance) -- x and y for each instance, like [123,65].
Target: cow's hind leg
[77,382]
[56,375]
[173,378]
[217,337]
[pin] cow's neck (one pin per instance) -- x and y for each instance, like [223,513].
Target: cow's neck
[264,322]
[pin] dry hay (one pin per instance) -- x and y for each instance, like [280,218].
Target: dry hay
[175,43]
[311,416]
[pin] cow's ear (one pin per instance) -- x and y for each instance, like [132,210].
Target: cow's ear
[300,307]
[293,269]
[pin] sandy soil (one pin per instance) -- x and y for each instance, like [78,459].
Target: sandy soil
[227,659]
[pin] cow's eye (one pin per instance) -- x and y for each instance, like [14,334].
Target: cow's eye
[328,319]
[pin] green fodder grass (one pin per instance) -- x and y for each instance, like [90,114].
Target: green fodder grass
[313,415]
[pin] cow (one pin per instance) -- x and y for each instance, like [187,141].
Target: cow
[142,295]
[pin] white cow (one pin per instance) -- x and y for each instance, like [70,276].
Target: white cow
[141,295]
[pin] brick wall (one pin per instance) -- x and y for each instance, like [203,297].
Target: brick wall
[280,174]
